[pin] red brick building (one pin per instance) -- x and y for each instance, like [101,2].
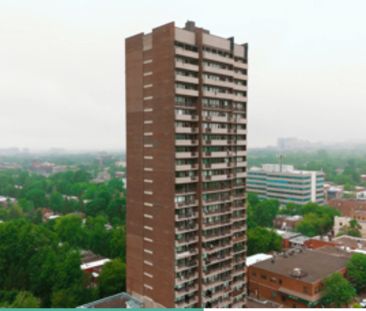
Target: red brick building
[186,168]
[295,280]
[349,208]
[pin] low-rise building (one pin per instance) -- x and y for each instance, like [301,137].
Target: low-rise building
[348,208]
[121,300]
[333,192]
[286,184]
[286,237]
[286,223]
[92,264]
[351,244]
[295,278]
[340,222]
[253,259]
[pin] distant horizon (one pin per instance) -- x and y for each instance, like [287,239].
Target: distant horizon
[60,150]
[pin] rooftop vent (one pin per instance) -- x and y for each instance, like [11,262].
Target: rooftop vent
[298,273]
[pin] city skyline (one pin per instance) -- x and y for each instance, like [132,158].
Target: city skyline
[62,69]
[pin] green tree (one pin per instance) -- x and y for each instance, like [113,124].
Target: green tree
[64,298]
[112,278]
[69,229]
[262,240]
[352,229]
[37,196]
[117,243]
[356,271]
[56,202]
[337,291]
[264,212]
[25,299]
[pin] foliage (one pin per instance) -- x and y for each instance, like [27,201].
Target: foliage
[337,291]
[18,299]
[352,229]
[261,212]
[318,219]
[313,224]
[262,240]
[356,271]
[112,278]
[26,300]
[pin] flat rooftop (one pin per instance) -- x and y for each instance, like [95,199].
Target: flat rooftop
[121,300]
[281,169]
[350,241]
[314,264]
[287,235]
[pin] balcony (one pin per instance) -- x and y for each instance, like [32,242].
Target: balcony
[185,279]
[208,238]
[186,117]
[186,303]
[186,216]
[219,270]
[188,203]
[217,58]
[186,241]
[216,142]
[206,286]
[186,228]
[186,155]
[186,66]
[240,65]
[215,295]
[241,120]
[186,290]
[216,248]
[240,87]
[186,79]
[217,130]
[241,174]
[186,179]
[220,165]
[241,131]
[219,71]
[220,83]
[217,201]
[215,178]
[186,254]
[239,98]
[186,129]
[218,212]
[186,92]
[239,75]
[189,264]
[186,142]
[219,95]
[241,153]
[186,167]
[239,239]
[215,154]
[183,52]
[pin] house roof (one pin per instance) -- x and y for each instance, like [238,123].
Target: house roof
[315,265]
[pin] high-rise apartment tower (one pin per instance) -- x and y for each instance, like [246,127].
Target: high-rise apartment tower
[186,93]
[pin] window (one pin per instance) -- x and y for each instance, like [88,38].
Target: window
[263,276]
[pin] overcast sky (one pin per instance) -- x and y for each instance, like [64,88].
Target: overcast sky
[62,67]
